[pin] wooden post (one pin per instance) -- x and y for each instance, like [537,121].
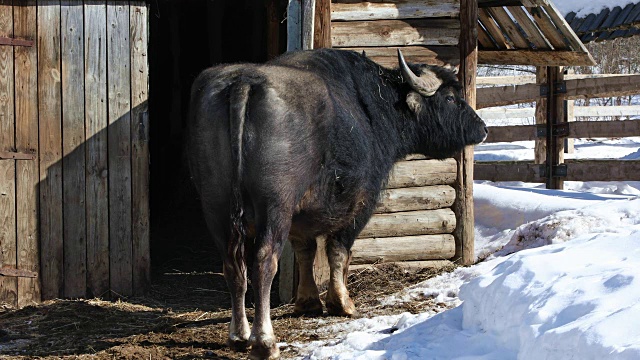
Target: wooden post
[541,117]
[463,206]
[322,28]
[569,147]
[555,116]
[273,29]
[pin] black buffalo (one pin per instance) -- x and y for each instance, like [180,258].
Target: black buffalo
[301,147]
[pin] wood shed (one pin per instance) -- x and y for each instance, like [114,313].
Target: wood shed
[93,99]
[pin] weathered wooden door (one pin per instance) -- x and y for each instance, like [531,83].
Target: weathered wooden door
[73,120]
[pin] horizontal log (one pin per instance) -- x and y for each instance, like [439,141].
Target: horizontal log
[432,55]
[416,198]
[535,57]
[406,248]
[406,9]
[395,33]
[418,173]
[579,111]
[578,170]
[407,265]
[577,130]
[423,222]
[531,79]
[576,89]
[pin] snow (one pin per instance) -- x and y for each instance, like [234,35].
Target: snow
[583,8]
[556,278]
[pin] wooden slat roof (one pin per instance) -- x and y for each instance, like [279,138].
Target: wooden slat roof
[527,32]
[608,24]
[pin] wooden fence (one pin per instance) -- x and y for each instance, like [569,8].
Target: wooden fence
[573,87]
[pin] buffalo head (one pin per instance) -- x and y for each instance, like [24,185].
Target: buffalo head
[445,123]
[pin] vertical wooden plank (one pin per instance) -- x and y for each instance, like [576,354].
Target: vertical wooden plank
[541,117]
[73,136]
[555,150]
[140,145]
[27,177]
[308,23]
[463,206]
[294,25]
[8,246]
[273,29]
[119,143]
[97,195]
[322,24]
[50,135]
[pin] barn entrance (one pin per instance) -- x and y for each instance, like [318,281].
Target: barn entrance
[185,38]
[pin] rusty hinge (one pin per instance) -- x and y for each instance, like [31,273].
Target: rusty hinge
[14,155]
[15,42]
[7,271]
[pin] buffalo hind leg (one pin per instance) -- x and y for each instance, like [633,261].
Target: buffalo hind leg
[270,242]
[338,301]
[307,297]
[235,273]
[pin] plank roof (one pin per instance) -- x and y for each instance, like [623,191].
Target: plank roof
[608,24]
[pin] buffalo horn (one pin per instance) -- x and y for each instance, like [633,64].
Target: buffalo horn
[427,84]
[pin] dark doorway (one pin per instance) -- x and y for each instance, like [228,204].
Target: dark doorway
[187,36]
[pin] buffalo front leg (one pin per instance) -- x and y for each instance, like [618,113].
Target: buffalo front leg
[338,301]
[262,340]
[307,297]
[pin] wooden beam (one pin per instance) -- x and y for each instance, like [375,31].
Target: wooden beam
[531,79]
[509,27]
[432,55]
[548,28]
[403,9]
[395,33]
[576,89]
[535,57]
[294,25]
[406,248]
[308,23]
[532,32]
[577,129]
[416,198]
[407,265]
[579,111]
[493,29]
[578,170]
[422,173]
[423,222]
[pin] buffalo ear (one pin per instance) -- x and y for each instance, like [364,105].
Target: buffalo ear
[414,100]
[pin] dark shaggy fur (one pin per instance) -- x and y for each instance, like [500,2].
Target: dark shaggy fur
[301,147]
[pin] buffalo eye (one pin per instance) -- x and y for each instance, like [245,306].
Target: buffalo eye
[450,99]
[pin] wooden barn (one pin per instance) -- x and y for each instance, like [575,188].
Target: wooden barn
[93,99]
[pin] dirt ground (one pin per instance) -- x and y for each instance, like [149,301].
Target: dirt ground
[183,316]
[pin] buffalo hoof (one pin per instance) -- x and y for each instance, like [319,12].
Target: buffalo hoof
[265,351]
[308,307]
[237,344]
[339,309]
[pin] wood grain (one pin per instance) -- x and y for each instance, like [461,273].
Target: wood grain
[406,248]
[416,198]
[27,174]
[418,173]
[119,133]
[73,137]
[404,9]
[50,134]
[578,170]
[140,146]
[8,245]
[432,55]
[424,222]
[97,200]
[395,33]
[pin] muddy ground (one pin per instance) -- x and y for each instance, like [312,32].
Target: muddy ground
[183,316]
